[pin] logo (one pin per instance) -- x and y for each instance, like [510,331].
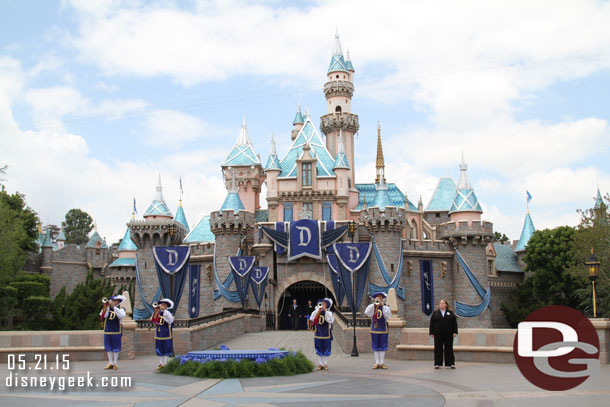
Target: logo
[172,257]
[354,253]
[242,264]
[556,348]
[304,230]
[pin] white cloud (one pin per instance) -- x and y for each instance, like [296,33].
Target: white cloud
[171,128]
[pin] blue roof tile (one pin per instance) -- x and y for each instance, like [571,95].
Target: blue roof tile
[397,198]
[126,243]
[325,161]
[506,259]
[124,262]
[92,243]
[201,233]
[443,195]
[233,201]
[180,217]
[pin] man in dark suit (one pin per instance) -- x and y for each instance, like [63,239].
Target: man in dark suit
[293,314]
[443,327]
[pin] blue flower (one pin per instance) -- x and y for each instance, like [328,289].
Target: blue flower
[293,353]
[224,347]
[273,349]
[260,360]
[222,359]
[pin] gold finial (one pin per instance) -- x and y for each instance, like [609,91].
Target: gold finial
[364,203]
[380,163]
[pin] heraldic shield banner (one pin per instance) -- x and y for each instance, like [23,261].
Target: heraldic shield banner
[172,263]
[304,239]
[258,282]
[241,267]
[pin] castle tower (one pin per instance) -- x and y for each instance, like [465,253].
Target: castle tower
[61,239]
[272,170]
[158,228]
[230,224]
[341,169]
[248,170]
[46,248]
[385,222]
[180,217]
[470,236]
[338,91]
[297,123]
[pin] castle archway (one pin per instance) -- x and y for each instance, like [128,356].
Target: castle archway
[302,291]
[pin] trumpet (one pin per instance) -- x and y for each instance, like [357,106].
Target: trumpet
[104,308]
[155,318]
[104,300]
[155,304]
[377,302]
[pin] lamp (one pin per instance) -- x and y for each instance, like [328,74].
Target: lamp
[593,270]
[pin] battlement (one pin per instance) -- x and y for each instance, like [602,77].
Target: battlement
[156,232]
[230,222]
[392,219]
[338,88]
[414,245]
[464,227]
[335,121]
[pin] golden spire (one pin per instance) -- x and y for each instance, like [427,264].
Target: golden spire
[379,164]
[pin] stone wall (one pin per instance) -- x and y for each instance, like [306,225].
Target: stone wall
[69,267]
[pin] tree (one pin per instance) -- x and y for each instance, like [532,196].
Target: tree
[27,216]
[77,226]
[500,237]
[549,257]
[593,233]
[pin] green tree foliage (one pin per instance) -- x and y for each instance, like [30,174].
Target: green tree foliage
[81,309]
[593,233]
[28,218]
[36,311]
[549,257]
[77,226]
[500,237]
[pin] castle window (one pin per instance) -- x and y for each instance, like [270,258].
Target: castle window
[306,174]
[337,76]
[438,215]
[490,267]
[338,109]
[343,76]
[288,211]
[308,208]
[327,210]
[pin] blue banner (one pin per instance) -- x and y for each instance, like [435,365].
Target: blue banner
[427,286]
[333,268]
[241,267]
[352,255]
[258,282]
[304,239]
[280,227]
[171,259]
[330,225]
[360,274]
[171,263]
[194,289]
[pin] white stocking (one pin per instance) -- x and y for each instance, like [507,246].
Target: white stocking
[376,357]
[381,357]
[110,357]
[321,360]
[325,360]
[161,358]
[165,359]
[116,357]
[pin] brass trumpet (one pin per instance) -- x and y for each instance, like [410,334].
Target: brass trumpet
[104,300]
[155,304]
[104,308]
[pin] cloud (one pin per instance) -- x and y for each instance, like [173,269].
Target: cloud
[171,128]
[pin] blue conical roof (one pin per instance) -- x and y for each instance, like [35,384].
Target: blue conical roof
[202,232]
[382,197]
[180,217]
[337,62]
[465,199]
[298,117]
[126,243]
[598,200]
[47,241]
[243,152]
[526,233]
[233,201]
[273,162]
[61,236]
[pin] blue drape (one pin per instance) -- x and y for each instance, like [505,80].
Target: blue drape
[427,286]
[223,288]
[465,310]
[345,277]
[194,289]
[333,269]
[165,283]
[139,313]
[391,282]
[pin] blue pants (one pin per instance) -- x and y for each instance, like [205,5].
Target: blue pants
[112,343]
[323,346]
[163,347]
[379,342]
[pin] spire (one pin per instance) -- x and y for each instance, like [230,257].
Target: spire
[348,62]
[526,233]
[379,163]
[273,163]
[598,199]
[337,63]
[126,243]
[243,139]
[465,199]
[158,206]
[341,160]
[298,117]
[464,182]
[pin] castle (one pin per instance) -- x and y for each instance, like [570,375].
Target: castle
[315,179]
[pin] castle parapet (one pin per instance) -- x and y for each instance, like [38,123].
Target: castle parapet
[230,222]
[392,219]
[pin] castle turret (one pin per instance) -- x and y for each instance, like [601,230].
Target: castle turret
[61,239]
[180,217]
[248,170]
[470,236]
[341,169]
[526,233]
[158,209]
[339,90]
[297,123]
[46,247]
[272,170]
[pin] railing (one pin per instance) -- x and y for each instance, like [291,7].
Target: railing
[348,320]
[187,323]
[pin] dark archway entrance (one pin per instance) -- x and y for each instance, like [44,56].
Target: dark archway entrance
[302,291]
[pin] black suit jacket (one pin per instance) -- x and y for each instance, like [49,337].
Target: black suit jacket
[294,313]
[440,325]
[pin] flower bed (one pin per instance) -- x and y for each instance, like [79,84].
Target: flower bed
[236,364]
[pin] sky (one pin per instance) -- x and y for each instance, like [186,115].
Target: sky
[97,98]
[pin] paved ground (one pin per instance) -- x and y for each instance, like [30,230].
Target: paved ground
[349,382]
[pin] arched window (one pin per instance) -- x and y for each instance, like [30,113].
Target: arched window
[338,109]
